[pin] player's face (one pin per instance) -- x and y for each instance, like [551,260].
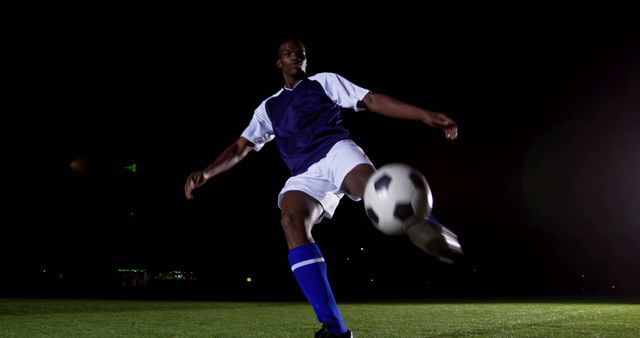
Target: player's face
[292,59]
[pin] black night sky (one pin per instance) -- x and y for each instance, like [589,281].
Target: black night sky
[542,185]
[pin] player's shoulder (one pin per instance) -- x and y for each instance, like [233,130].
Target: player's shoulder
[329,79]
[276,94]
[263,103]
[325,76]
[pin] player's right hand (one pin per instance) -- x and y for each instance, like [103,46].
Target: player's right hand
[195,180]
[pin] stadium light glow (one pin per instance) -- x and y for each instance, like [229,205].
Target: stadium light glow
[131,270]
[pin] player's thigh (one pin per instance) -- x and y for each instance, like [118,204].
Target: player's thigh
[356,180]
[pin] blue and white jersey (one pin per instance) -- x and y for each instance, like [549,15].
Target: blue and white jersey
[306,120]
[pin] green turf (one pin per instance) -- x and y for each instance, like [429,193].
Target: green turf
[112,318]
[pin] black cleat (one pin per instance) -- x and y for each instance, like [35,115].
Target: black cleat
[324,333]
[435,239]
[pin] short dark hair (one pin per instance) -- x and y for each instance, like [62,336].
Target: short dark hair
[286,39]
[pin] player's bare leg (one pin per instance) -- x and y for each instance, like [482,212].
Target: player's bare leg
[299,213]
[356,180]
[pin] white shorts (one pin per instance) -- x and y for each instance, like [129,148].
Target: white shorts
[323,179]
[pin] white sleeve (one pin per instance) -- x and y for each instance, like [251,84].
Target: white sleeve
[259,131]
[340,90]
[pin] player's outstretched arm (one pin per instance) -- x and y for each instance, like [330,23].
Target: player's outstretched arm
[392,107]
[225,161]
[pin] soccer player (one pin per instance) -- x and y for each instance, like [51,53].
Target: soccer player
[304,119]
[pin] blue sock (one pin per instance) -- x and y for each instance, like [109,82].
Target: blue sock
[310,270]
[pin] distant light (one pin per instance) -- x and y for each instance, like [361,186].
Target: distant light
[613,286]
[131,270]
[361,249]
[371,280]
[44,270]
[248,279]
[582,275]
[79,165]
[347,258]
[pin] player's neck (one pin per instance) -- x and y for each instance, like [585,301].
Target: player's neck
[291,82]
[289,86]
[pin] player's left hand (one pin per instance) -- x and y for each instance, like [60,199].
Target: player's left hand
[195,180]
[444,122]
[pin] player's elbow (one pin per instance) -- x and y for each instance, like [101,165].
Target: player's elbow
[371,101]
[242,147]
[367,100]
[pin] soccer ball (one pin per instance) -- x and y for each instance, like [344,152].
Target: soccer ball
[396,197]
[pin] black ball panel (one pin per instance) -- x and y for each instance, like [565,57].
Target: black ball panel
[372,215]
[382,183]
[417,180]
[403,211]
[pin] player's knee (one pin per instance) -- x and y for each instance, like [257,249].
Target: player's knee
[295,230]
[291,222]
[356,180]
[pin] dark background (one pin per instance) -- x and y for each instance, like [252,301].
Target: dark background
[541,186]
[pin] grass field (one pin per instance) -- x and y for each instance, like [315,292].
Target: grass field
[122,318]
